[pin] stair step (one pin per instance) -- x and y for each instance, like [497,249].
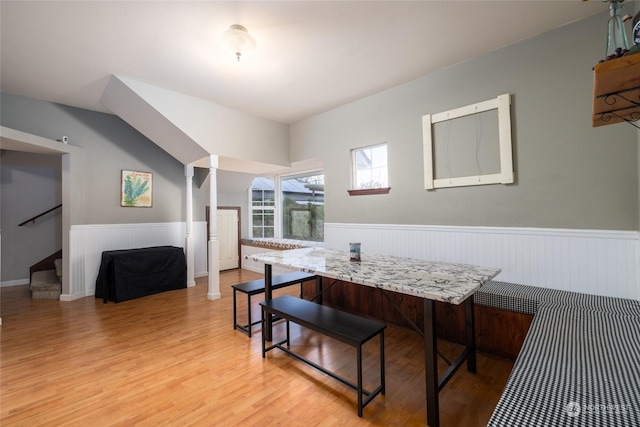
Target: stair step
[45,285]
[58,265]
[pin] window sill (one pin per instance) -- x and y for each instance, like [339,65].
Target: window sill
[369,191]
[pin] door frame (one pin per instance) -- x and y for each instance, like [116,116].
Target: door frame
[236,208]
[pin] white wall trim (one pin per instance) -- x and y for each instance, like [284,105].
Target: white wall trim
[601,262]
[87,242]
[16,282]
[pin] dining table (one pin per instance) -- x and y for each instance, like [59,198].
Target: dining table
[447,282]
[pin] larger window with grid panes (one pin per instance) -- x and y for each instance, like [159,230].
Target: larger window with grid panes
[290,207]
[263,207]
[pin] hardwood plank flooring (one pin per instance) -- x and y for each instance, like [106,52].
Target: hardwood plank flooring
[175,359]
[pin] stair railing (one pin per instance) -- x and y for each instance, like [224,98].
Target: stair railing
[33,220]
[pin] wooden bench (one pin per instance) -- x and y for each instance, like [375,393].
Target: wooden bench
[344,327]
[256,287]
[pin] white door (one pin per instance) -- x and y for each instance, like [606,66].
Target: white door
[228,236]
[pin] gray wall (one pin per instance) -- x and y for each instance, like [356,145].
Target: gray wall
[568,174]
[110,145]
[31,184]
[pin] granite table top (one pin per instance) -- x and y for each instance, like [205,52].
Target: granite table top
[440,281]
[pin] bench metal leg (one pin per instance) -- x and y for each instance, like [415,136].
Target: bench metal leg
[382,381]
[288,335]
[247,328]
[249,315]
[360,380]
[244,328]
[235,311]
[264,341]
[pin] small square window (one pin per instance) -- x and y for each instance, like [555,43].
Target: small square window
[369,165]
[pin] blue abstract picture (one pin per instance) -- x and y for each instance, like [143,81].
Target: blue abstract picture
[136,189]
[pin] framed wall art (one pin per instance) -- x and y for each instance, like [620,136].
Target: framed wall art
[136,189]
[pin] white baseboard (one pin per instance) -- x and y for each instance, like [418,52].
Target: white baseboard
[68,297]
[16,282]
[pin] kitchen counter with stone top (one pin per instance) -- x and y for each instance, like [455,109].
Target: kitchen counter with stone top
[281,244]
[440,281]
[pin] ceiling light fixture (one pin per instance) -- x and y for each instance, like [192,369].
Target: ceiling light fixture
[238,41]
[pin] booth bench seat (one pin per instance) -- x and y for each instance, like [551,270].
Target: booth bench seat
[580,361]
[526,299]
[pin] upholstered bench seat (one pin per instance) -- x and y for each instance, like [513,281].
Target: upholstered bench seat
[526,299]
[578,367]
[510,296]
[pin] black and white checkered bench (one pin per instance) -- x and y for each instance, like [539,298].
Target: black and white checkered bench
[526,299]
[580,362]
[510,296]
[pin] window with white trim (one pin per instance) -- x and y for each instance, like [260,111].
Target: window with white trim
[263,207]
[369,167]
[290,207]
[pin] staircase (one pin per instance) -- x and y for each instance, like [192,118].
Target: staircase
[47,284]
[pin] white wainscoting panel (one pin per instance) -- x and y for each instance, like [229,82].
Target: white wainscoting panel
[87,242]
[588,261]
[200,247]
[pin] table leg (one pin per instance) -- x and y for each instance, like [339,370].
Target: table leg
[470,332]
[319,289]
[267,331]
[431,363]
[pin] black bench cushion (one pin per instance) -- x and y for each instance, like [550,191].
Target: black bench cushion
[280,281]
[344,327]
[577,367]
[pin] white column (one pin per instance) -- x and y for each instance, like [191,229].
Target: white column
[188,244]
[214,244]
[68,185]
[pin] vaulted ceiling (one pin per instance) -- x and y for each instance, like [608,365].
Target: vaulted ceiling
[311,56]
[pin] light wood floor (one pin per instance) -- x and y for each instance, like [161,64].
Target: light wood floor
[174,359]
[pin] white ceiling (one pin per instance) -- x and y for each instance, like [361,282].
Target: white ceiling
[311,56]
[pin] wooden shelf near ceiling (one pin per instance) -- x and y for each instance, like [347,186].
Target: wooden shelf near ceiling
[616,91]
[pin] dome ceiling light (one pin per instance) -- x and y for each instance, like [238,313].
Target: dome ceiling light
[238,41]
